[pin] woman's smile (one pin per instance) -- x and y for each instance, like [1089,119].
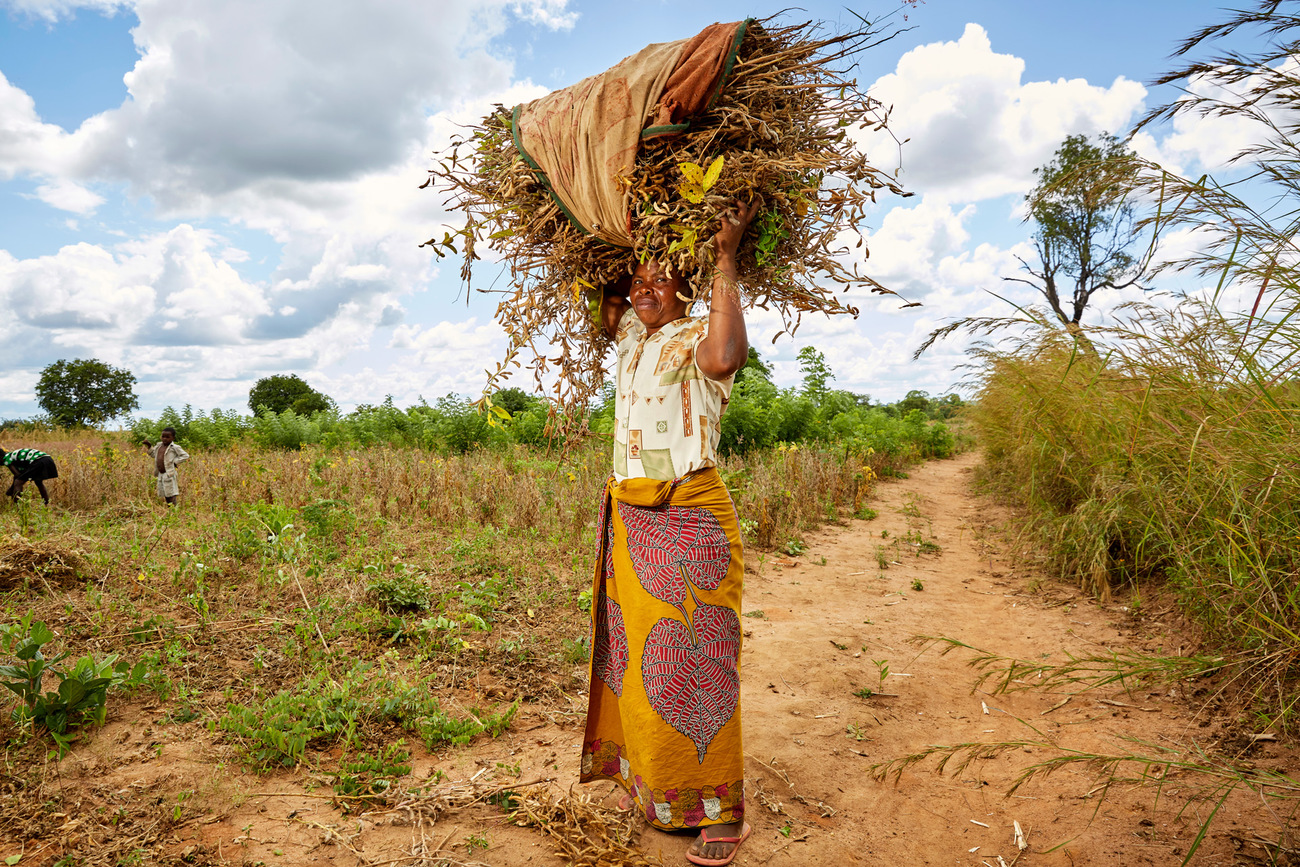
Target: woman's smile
[656,295]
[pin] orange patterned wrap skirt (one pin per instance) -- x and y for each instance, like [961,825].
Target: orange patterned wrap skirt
[664,715]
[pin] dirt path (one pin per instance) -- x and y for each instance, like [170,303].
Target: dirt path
[822,631]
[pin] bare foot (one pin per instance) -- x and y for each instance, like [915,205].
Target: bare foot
[710,848]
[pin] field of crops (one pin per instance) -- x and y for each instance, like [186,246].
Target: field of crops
[325,606]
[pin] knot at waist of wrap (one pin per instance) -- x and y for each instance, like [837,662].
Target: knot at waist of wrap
[650,493]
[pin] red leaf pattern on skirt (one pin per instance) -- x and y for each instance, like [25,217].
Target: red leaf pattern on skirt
[694,684]
[607,532]
[669,544]
[609,650]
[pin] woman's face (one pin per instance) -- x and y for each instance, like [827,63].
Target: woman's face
[654,296]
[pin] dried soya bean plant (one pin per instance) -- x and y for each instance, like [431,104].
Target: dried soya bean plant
[781,127]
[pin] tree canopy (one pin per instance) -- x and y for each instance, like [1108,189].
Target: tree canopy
[287,392]
[85,391]
[816,372]
[754,366]
[1085,225]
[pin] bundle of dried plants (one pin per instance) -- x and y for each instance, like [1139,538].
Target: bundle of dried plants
[585,832]
[39,562]
[782,129]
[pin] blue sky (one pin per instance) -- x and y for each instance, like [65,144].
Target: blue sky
[211,192]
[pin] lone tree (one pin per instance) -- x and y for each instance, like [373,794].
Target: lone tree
[1085,225]
[85,391]
[1085,228]
[286,391]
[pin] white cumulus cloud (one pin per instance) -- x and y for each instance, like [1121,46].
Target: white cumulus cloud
[974,129]
[66,195]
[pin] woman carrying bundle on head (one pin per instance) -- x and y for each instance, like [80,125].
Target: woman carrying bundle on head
[664,713]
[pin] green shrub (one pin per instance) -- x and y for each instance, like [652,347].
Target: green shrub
[402,592]
[82,695]
[322,711]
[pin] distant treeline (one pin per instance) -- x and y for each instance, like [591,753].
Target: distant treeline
[759,416]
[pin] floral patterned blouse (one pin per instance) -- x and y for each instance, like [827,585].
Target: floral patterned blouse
[668,414]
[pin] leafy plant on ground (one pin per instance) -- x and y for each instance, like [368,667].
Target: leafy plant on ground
[365,774]
[482,554]
[326,517]
[443,632]
[482,597]
[919,544]
[402,592]
[576,650]
[278,730]
[82,694]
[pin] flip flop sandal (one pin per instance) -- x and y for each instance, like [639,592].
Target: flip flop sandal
[719,862]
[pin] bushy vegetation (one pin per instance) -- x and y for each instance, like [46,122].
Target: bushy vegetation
[451,425]
[435,537]
[1163,447]
[759,416]
[1152,463]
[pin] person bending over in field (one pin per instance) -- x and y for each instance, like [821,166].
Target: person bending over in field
[29,465]
[663,719]
[166,455]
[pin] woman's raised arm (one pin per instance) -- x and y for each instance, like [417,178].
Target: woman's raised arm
[725,349]
[614,303]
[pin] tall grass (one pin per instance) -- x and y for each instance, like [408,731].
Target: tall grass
[1171,452]
[1170,455]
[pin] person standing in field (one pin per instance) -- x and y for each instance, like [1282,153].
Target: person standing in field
[663,720]
[29,465]
[166,455]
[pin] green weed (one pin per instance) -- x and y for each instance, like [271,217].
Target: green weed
[370,775]
[278,730]
[402,592]
[82,695]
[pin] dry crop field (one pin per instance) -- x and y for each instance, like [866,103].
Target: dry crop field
[326,614]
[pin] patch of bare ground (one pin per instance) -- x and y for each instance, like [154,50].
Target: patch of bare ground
[833,686]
